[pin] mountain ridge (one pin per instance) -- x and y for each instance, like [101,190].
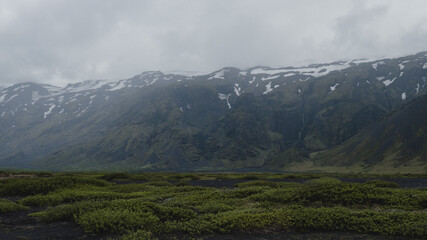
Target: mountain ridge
[227,119]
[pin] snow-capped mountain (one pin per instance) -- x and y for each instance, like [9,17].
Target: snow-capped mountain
[192,121]
[24,96]
[75,99]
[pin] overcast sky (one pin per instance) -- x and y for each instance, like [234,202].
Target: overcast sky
[60,41]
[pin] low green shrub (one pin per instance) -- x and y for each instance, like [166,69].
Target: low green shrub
[325,180]
[67,212]
[284,196]
[129,188]
[115,176]
[214,207]
[117,221]
[10,206]
[33,186]
[182,183]
[383,184]
[344,194]
[160,207]
[305,219]
[342,219]
[245,191]
[159,184]
[250,176]
[68,196]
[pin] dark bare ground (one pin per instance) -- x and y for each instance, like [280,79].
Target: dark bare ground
[286,236]
[18,225]
[402,182]
[230,183]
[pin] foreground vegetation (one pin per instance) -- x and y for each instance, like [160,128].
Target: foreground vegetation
[167,204]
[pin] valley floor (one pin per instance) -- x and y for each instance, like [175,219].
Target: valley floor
[212,206]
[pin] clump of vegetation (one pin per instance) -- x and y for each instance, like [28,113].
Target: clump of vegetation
[32,186]
[383,184]
[115,176]
[10,206]
[325,180]
[70,196]
[182,183]
[114,221]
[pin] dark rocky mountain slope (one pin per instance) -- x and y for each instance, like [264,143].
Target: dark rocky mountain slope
[399,143]
[231,119]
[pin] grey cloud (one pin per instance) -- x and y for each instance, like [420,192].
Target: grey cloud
[59,41]
[352,30]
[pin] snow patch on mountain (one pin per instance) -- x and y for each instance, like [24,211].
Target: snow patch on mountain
[35,96]
[12,97]
[314,70]
[251,81]
[116,86]
[375,65]
[270,78]
[388,82]
[83,111]
[360,61]
[223,96]
[149,82]
[22,87]
[52,89]
[60,99]
[71,100]
[268,88]
[333,87]
[218,75]
[403,96]
[187,73]
[85,86]
[49,111]
[267,71]
[237,89]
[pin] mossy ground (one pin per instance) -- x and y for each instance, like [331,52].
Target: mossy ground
[165,203]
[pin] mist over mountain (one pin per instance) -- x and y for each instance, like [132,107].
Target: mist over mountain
[318,117]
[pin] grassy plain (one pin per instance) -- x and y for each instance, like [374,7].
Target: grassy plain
[164,205]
